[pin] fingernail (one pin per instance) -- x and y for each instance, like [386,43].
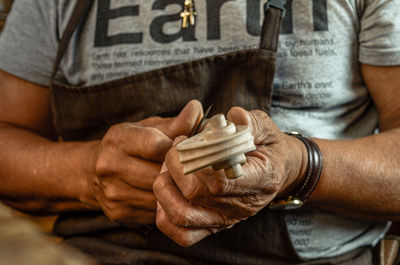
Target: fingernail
[164,168]
[159,208]
[179,139]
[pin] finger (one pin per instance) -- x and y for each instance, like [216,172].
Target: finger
[187,119]
[112,192]
[232,199]
[145,142]
[260,124]
[138,217]
[188,184]
[180,211]
[181,235]
[137,172]
[207,182]
[199,184]
[258,177]
[235,208]
[130,216]
[239,116]
[183,124]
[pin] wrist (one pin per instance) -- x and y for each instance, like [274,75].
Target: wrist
[308,181]
[88,177]
[296,165]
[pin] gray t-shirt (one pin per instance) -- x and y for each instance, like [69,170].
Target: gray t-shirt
[318,89]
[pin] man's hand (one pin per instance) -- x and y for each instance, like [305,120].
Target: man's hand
[191,207]
[127,161]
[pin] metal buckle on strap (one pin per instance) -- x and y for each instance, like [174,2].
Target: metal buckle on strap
[277,4]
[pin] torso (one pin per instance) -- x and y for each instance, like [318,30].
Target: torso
[317,84]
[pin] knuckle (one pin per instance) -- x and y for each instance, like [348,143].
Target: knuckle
[161,222]
[180,218]
[111,210]
[115,215]
[189,191]
[110,192]
[153,132]
[185,241]
[218,186]
[158,138]
[113,133]
[156,141]
[103,166]
[107,161]
[159,184]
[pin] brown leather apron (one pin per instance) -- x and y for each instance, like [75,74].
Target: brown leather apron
[242,78]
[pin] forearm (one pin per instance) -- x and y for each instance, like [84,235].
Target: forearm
[361,177]
[41,176]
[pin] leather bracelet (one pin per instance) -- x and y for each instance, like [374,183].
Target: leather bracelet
[312,175]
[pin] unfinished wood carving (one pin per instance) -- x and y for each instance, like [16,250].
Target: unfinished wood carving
[221,145]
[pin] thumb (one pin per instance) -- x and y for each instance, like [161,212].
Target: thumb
[258,121]
[185,122]
[182,124]
[177,140]
[240,116]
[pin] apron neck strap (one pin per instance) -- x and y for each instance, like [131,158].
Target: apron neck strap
[274,11]
[77,17]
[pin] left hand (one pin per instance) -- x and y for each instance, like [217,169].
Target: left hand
[194,206]
[127,161]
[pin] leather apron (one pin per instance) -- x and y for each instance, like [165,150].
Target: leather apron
[242,78]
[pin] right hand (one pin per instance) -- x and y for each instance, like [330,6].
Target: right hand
[196,205]
[128,160]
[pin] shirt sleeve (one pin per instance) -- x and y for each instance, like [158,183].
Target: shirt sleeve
[28,43]
[379,37]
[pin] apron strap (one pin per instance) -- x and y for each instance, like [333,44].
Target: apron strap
[77,17]
[274,11]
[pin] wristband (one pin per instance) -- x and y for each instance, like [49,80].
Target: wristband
[312,175]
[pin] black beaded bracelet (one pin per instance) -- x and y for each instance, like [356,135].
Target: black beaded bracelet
[312,175]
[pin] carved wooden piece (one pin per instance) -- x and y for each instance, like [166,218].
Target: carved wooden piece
[221,145]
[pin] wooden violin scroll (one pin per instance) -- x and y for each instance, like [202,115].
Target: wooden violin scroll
[220,144]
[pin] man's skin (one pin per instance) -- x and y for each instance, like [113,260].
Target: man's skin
[360,178]
[42,176]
